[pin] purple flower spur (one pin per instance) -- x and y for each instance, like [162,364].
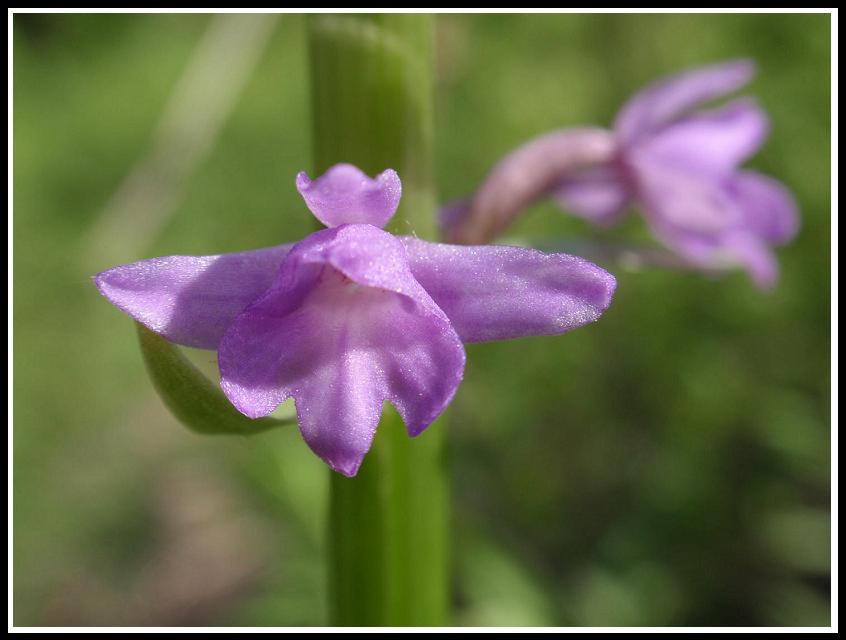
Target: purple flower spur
[680,165]
[352,315]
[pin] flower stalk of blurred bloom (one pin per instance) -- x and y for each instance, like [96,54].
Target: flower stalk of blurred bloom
[681,166]
[352,315]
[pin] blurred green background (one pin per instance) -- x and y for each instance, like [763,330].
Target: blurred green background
[669,465]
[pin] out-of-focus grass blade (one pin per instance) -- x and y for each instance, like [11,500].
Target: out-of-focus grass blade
[191,397]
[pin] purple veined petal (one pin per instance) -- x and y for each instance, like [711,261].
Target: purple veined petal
[499,292]
[676,200]
[346,195]
[770,211]
[671,97]
[600,195]
[716,141]
[345,328]
[191,300]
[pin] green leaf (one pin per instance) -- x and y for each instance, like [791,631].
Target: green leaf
[191,397]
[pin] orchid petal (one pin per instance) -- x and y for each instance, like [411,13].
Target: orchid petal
[755,256]
[197,402]
[675,95]
[191,300]
[497,292]
[343,332]
[716,141]
[770,210]
[346,195]
[687,201]
[711,225]
[599,195]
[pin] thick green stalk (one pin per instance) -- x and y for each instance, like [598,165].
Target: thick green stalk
[372,106]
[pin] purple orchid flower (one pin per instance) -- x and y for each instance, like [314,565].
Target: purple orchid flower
[681,166]
[353,316]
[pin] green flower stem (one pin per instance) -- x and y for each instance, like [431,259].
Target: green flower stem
[372,106]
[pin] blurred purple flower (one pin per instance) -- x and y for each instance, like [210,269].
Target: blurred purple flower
[680,166]
[353,316]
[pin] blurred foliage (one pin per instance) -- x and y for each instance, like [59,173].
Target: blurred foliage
[669,465]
